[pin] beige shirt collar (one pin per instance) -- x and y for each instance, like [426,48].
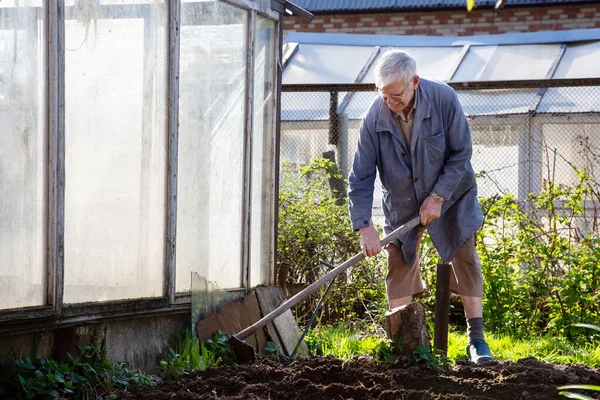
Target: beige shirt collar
[411,113]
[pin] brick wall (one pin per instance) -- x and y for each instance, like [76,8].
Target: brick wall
[454,23]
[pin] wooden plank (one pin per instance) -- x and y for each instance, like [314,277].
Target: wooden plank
[207,326]
[276,145]
[271,297]
[253,312]
[56,154]
[233,318]
[442,307]
[247,156]
[173,148]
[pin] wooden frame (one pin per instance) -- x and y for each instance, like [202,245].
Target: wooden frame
[55,313]
[248,129]
[173,148]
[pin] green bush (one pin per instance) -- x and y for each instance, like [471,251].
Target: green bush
[90,375]
[541,271]
[192,355]
[314,225]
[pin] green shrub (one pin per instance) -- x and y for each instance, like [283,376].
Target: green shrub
[90,375]
[541,271]
[314,225]
[192,355]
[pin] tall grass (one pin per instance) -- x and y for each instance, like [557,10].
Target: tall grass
[550,349]
[342,342]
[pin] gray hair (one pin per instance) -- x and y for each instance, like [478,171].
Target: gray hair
[395,66]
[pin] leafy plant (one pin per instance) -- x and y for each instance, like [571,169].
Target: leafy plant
[186,357]
[593,388]
[219,351]
[90,374]
[541,271]
[314,225]
[572,395]
[273,349]
[192,355]
[423,355]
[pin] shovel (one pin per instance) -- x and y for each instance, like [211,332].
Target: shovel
[245,352]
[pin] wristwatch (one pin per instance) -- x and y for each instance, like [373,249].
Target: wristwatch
[437,197]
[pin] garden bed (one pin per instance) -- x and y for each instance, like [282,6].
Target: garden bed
[361,378]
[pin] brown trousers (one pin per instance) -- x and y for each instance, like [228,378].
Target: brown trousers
[465,277]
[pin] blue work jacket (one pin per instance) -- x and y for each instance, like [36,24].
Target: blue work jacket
[439,160]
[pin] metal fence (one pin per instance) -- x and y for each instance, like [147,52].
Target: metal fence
[524,133]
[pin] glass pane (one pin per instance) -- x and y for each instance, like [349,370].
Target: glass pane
[116,74]
[432,62]
[473,64]
[22,155]
[579,61]
[262,152]
[569,146]
[318,63]
[211,143]
[307,106]
[571,100]
[359,104]
[495,102]
[499,173]
[495,63]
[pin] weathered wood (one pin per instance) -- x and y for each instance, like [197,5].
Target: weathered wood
[442,308]
[233,317]
[247,156]
[276,140]
[56,154]
[173,147]
[253,312]
[271,297]
[407,326]
[207,326]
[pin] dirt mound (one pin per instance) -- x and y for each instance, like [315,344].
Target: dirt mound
[361,378]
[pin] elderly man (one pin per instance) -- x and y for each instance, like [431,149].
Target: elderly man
[416,135]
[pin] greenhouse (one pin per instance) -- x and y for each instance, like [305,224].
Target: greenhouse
[532,99]
[149,237]
[138,146]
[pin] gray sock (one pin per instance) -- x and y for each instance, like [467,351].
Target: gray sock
[475,329]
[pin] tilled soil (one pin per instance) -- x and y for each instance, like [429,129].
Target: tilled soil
[361,378]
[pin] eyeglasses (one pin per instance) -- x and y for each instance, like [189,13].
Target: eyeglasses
[396,96]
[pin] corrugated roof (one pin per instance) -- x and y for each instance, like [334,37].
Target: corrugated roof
[324,58]
[322,6]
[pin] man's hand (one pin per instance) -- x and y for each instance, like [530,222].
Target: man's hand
[369,240]
[430,211]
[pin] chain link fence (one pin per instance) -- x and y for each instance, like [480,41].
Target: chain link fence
[524,133]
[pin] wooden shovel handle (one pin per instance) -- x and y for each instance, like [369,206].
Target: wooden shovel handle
[313,287]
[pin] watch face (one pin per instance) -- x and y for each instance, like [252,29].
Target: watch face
[437,197]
